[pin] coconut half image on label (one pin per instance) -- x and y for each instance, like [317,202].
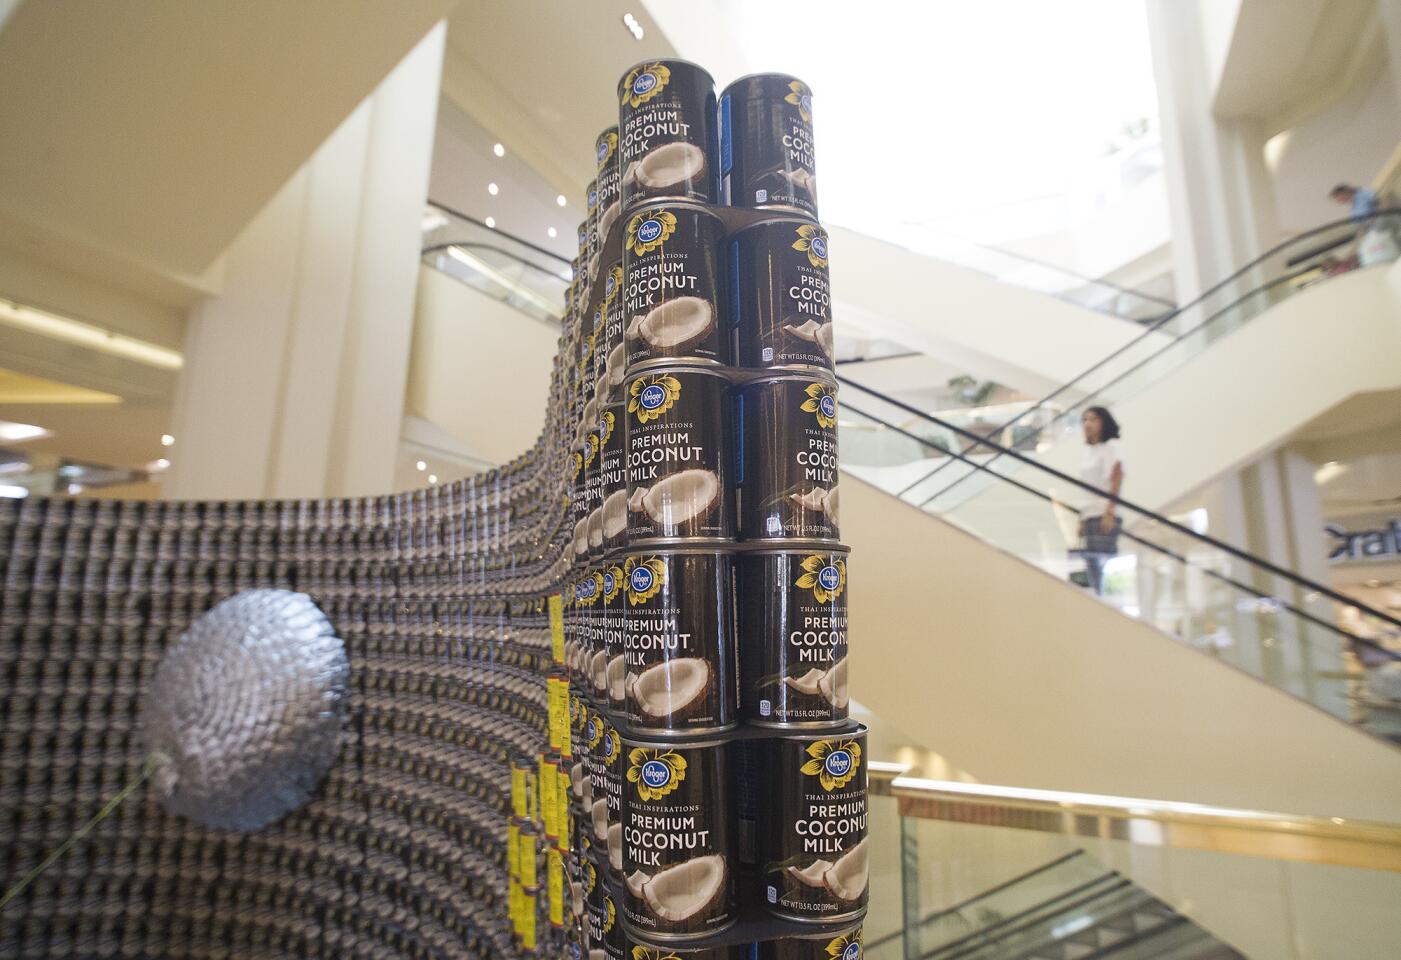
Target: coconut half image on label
[780,295]
[788,463]
[672,287]
[667,133]
[811,831]
[609,181]
[678,641]
[678,825]
[792,607]
[678,445]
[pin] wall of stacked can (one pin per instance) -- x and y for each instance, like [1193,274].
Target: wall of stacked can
[572,679]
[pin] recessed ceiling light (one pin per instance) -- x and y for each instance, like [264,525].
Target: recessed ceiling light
[561,200]
[499,150]
[420,466]
[156,466]
[492,189]
[167,440]
[432,478]
[74,489]
[633,26]
[552,232]
[491,222]
[20,432]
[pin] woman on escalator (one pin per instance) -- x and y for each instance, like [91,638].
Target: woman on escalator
[1102,469]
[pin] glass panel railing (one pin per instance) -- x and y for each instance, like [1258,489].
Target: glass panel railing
[527,277]
[1237,608]
[1170,342]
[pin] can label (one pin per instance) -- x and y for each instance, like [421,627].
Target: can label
[767,156]
[678,815]
[677,455]
[788,466]
[599,734]
[671,286]
[647,951]
[614,613]
[612,480]
[678,641]
[611,761]
[612,350]
[812,827]
[845,945]
[610,180]
[780,295]
[793,616]
[667,133]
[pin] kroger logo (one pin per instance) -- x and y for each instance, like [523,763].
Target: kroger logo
[838,763]
[828,577]
[602,151]
[819,247]
[852,951]
[609,287]
[649,231]
[652,397]
[587,588]
[643,83]
[828,405]
[608,583]
[641,579]
[656,774]
[593,729]
[806,101]
[593,198]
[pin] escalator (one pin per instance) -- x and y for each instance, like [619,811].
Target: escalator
[1243,390]
[1070,908]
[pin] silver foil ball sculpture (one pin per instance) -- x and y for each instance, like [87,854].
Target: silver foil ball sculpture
[244,716]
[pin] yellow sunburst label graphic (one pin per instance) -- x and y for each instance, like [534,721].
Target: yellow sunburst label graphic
[833,762]
[612,746]
[821,401]
[613,583]
[653,953]
[610,913]
[801,97]
[645,82]
[590,877]
[825,580]
[578,460]
[643,579]
[847,947]
[612,286]
[656,772]
[649,230]
[651,397]
[607,146]
[812,240]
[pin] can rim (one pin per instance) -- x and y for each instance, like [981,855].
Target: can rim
[698,206]
[760,75]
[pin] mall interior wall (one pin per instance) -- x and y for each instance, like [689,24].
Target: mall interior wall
[294,376]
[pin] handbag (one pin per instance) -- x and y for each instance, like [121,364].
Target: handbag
[1096,539]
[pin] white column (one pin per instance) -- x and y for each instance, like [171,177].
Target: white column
[294,375]
[1391,23]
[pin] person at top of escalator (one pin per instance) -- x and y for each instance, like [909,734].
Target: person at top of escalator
[1103,469]
[1361,202]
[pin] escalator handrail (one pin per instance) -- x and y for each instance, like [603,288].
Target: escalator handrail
[1153,327]
[510,255]
[1243,555]
[1371,645]
[514,239]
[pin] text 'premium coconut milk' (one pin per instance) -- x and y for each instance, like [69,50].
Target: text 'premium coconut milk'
[793,618]
[788,466]
[671,287]
[677,455]
[811,829]
[667,133]
[678,828]
[678,641]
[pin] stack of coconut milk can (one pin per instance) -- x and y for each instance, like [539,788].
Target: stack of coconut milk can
[717,784]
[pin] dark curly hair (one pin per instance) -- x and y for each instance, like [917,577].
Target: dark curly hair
[1109,427]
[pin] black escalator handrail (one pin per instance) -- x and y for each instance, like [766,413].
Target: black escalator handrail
[514,239]
[990,891]
[473,245]
[1173,314]
[1244,556]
